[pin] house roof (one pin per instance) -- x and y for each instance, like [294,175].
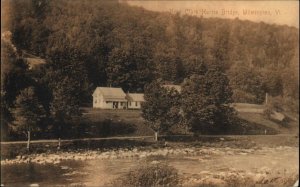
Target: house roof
[170,86]
[135,97]
[111,94]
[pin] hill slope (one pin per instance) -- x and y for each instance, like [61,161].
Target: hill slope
[254,123]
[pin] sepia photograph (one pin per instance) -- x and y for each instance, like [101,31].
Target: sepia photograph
[149,93]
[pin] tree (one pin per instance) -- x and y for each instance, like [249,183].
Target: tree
[28,112]
[220,49]
[129,65]
[169,65]
[69,64]
[194,54]
[120,67]
[161,109]
[65,103]
[205,100]
[13,79]
[247,84]
[65,78]
[272,82]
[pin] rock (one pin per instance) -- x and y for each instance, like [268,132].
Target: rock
[155,162]
[134,150]
[265,170]
[205,173]
[142,155]
[64,167]
[258,178]
[215,181]
[34,185]
[229,153]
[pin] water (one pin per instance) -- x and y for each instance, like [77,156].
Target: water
[90,173]
[96,172]
[99,172]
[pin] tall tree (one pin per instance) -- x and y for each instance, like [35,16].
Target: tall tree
[13,79]
[28,112]
[205,100]
[247,84]
[65,103]
[161,109]
[272,82]
[220,49]
[120,67]
[168,64]
[67,80]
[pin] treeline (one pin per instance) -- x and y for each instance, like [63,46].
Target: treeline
[106,43]
[129,47]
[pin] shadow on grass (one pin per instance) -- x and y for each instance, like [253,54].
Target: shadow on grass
[106,128]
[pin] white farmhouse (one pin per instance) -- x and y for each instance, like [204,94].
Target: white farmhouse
[135,100]
[109,98]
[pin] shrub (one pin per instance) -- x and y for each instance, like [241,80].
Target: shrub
[158,174]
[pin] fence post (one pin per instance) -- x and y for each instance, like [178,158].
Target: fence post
[58,144]
[28,140]
[155,136]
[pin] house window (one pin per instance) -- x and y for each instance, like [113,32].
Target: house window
[136,103]
[121,103]
[129,103]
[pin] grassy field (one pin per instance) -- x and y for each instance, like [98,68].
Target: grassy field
[124,118]
[291,127]
[253,123]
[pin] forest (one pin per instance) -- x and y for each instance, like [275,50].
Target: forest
[106,43]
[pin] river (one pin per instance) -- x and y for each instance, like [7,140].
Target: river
[266,163]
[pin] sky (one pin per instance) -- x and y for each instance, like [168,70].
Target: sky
[278,12]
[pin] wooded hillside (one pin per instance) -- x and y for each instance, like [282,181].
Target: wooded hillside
[101,43]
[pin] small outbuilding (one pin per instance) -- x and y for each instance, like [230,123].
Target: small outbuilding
[135,100]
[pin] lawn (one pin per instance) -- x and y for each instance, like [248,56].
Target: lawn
[131,123]
[120,119]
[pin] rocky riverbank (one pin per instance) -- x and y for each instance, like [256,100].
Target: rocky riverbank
[210,166]
[204,152]
[234,177]
[56,158]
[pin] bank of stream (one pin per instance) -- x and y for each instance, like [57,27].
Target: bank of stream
[277,166]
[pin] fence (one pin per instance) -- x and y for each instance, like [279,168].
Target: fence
[137,138]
